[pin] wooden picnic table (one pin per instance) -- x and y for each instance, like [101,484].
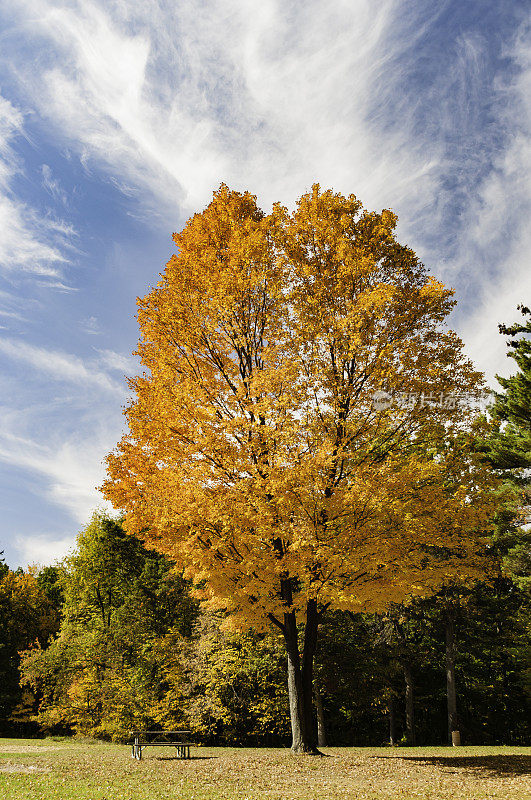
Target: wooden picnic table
[177,739]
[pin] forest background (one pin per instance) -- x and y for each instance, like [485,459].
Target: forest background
[111,639]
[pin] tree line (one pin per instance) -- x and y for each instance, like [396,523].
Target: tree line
[110,640]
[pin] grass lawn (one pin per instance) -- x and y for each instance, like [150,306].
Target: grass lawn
[49,769]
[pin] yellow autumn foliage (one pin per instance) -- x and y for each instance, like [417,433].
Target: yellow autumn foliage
[256,452]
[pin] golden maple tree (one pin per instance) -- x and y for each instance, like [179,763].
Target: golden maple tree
[260,454]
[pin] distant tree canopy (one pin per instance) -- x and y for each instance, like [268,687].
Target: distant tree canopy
[26,616]
[147,659]
[104,673]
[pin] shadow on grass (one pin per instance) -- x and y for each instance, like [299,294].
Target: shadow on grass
[176,758]
[498,765]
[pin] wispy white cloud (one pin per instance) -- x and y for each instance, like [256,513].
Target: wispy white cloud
[112,360]
[176,99]
[59,285]
[43,550]
[29,241]
[59,417]
[36,432]
[15,308]
[91,325]
[11,314]
[59,366]
[496,236]
[20,248]
[171,99]
[72,468]
[52,185]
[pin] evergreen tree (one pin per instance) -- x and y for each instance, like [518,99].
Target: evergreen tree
[508,449]
[509,446]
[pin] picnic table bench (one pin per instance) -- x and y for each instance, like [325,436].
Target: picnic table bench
[177,739]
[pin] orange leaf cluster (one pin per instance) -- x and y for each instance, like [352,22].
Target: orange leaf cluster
[255,452]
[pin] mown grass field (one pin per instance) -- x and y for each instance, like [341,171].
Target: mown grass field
[48,769]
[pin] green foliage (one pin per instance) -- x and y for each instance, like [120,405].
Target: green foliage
[354,674]
[493,644]
[100,676]
[26,616]
[50,583]
[4,569]
[234,685]
[509,447]
[133,652]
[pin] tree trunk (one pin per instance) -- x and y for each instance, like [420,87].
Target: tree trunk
[392,722]
[453,724]
[321,728]
[295,693]
[300,679]
[410,710]
[308,653]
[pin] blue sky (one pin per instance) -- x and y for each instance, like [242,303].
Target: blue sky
[118,120]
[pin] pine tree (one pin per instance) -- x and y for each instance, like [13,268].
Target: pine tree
[509,446]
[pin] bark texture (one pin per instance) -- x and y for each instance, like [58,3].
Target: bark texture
[410,706]
[453,722]
[321,724]
[300,672]
[392,722]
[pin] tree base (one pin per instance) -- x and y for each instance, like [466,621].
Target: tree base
[306,750]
